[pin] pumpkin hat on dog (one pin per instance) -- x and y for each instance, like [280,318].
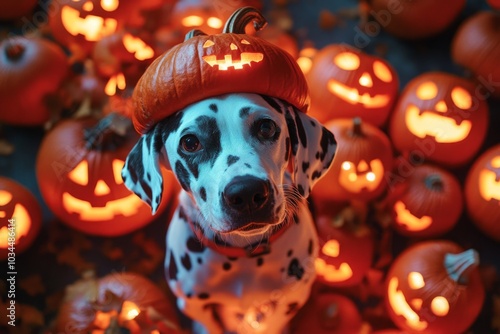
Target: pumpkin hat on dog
[209,65]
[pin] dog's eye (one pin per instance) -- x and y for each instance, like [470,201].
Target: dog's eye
[266,129]
[190,143]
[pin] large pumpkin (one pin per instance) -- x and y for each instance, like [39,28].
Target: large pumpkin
[358,172]
[31,69]
[428,203]
[346,82]
[204,66]
[20,217]
[438,117]
[79,174]
[434,287]
[482,192]
[476,46]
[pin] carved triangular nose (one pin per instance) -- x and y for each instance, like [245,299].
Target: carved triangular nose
[366,80]
[441,106]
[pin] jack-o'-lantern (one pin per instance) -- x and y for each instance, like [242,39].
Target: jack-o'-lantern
[403,18]
[439,117]
[482,192]
[20,217]
[327,313]
[428,203]
[364,156]
[305,58]
[116,303]
[345,252]
[79,174]
[346,82]
[208,16]
[476,46]
[434,287]
[31,70]
[10,10]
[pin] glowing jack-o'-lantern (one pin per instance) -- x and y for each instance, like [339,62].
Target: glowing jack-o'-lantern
[346,82]
[116,302]
[20,217]
[482,192]
[428,203]
[79,173]
[363,158]
[439,117]
[345,253]
[434,287]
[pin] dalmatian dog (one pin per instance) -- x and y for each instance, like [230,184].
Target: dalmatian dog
[242,242]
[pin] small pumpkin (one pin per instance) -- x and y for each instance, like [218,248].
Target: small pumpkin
[79,174]
[438,117]
[118,302]
[428,203]
[20,217]
[364,156]
[482,192]
[211,65]
[434,287]
[403,18]
[476,46]
[31,69]
[346,82]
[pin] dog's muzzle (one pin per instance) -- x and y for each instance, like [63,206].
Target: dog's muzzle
[248,199]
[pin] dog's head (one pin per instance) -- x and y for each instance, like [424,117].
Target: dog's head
[231,154]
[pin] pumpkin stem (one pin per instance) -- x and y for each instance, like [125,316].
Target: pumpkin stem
[194,33]
[238,21]
[14,51]
[459,266]
[108,134]
[357,131]
[434,182]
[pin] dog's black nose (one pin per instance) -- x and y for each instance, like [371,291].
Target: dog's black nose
[246,194]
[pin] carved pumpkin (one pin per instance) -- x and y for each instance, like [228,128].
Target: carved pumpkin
[364,156]
[10,10]
[439,117]
[403,18]
[31,70]
[118,302]
[428,203]
[79,173]
[345,253]
[482,192]
[327,313]
[346,82]
[476,46]
[434,287]
[214,65]
[20,217]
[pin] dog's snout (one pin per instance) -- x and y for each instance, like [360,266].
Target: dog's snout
[246,194]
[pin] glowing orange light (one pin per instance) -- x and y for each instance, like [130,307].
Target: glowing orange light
[365,176]
[412,223]
[138,47]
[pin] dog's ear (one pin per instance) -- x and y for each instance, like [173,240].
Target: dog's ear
[312,149]
[141,172]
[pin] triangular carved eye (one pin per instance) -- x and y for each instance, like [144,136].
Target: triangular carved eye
[347,61]
[233,46]
[208,44]
[80,173]
[5,198]
[461,98]
[244,41]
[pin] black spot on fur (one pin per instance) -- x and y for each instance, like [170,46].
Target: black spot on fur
[203,295]
[300,130]
[287,148]
[301,190]
[226,266]
[292,308]
[189,295]
[182,214]
[172,268]
[260,261]
[248,165]
[305,166]
[157,200]
[290,252]
[327,139]
[182,175]
[310,247]
[199,260]
[244,112]
[273,103]
[316,174]
[148,176]
[194,245]
[313,123]
[295,269]
[213,107]
[166,127]
[147,189]
[203,194]
[292,130]
[231,159]
[186,261]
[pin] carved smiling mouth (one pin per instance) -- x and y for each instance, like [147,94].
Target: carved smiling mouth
[412,223]
[93,27]
[246,59]
[401,307]
[490,186]
[352,95]
[442,128]
[332,274]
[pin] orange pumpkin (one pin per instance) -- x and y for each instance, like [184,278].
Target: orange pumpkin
[428,203]
[20,217]
[364,156]
[434,287]
[346,82]
[79,174]
[204,66]
[482,192]
[439,118]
